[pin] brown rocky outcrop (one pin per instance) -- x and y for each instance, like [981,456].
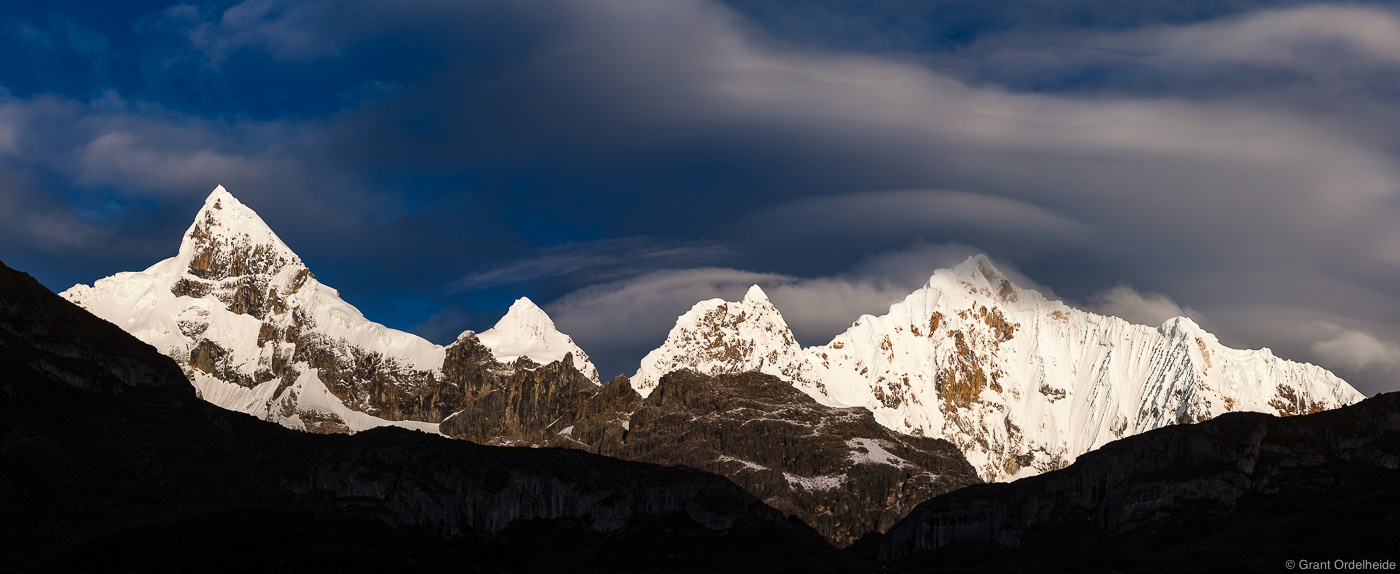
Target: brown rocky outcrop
[523,404]
[836,469]
[375,384]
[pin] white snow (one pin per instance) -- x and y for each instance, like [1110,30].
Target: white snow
[526,331]
[747,464]
[870,451]
[814,483]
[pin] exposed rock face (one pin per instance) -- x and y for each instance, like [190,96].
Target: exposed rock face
[1184,483]
[109,461]
[836,469]
[257,333]
[512,404]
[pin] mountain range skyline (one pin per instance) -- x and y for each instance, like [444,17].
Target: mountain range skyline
[1018,383]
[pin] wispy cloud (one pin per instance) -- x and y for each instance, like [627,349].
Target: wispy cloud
[1356,349]
[594,261]
[1149,308]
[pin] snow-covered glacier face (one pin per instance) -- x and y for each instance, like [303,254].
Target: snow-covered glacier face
[257,333]
[1020,384]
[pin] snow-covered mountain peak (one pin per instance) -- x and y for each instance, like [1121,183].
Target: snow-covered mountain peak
[1023,384]
[980,268]
[755,294]
[527,331]
[1185,327]
[524,319]
[978,279]
[720,337]
[229,239]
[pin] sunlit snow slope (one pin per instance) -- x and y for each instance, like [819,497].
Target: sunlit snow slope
[1020,384]
[257,333]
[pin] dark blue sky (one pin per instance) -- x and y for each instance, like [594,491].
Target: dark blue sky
[618,161]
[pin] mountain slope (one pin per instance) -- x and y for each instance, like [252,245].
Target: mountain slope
[257,333]
[108,462]
[1019,383]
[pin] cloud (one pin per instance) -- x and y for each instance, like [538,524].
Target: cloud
[1356,350]
[1293,37]
[291,31]
[594,262]
[1151,309]
[28,218]
[307,31]
[144,151]
[136,161]
[865,219]
[1276,54]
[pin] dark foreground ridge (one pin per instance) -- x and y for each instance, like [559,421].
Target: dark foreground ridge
[1242,492]
[108,462]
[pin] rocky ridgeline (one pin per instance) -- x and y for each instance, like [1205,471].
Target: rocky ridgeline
[836,469]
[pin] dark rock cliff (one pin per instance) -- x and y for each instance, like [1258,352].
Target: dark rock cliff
[108,461]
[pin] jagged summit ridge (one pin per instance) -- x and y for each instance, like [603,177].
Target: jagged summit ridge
[229,239]
[526,331]
[1020,383]
[722,337]
[257,333]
